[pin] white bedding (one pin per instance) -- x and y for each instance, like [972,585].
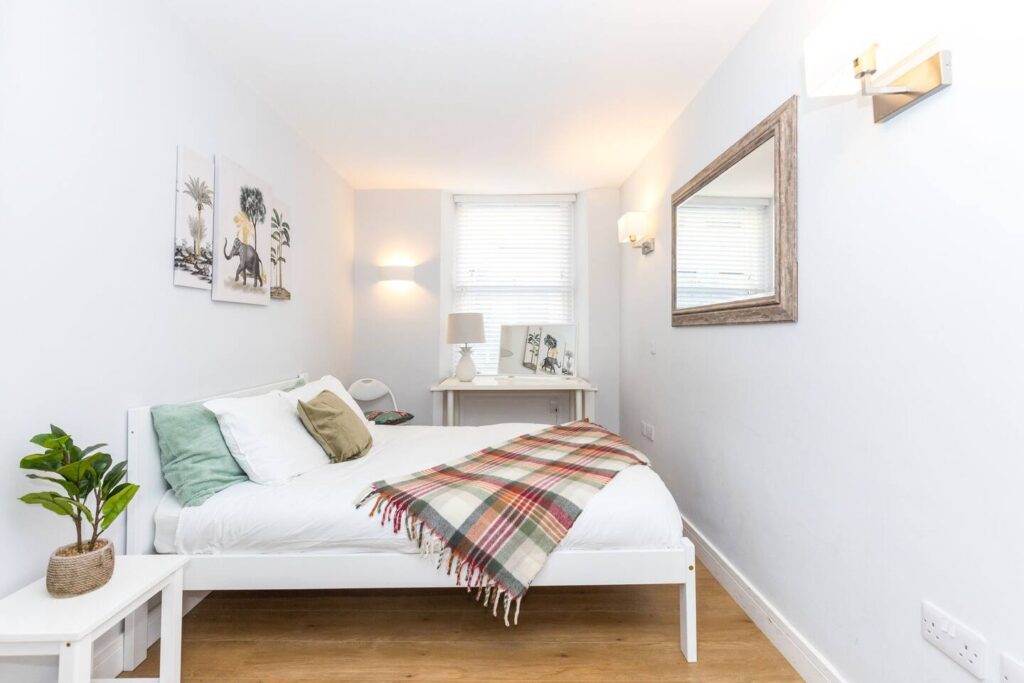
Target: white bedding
[315,512]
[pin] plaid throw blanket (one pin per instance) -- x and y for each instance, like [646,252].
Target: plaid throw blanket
[494,516]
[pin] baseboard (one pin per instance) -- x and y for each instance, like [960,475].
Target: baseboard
[108,649]
[803,656]
[108,654]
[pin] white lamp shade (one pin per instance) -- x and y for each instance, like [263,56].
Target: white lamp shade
[405,273]
[632,225]
[466,328]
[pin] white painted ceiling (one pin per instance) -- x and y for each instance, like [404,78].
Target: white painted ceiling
[474,95]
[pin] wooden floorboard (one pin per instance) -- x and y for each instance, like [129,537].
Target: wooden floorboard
[619,633]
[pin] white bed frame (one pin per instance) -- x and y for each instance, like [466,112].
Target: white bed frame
[368,570]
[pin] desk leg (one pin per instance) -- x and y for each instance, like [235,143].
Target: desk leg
[75,662]
[449,412]
[170,630]
[578,410]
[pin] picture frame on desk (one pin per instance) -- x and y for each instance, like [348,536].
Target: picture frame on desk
[541,350]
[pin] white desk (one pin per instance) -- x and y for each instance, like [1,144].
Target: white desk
[453,389]
[32,622]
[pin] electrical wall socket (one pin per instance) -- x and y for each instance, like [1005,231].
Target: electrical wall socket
[647,430]
[1010,670]
[964,646]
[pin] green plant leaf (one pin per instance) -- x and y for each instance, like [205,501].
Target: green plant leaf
[49,440]
[69,486]
[86,451]
[115,475]
[43,462]
[57,431]
[77,471]
[117,489]
[51,501]
[116,504]
[101,463]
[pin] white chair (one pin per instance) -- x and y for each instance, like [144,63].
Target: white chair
[369,389]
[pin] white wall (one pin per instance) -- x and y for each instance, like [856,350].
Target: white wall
[597,297]
[96,97]
[869,455]
[396,325]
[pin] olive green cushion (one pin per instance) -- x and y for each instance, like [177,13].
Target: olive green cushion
[195,460]
[335,426]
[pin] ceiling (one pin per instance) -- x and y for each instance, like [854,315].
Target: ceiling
[474,95]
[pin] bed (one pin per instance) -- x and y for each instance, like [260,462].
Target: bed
[307,533]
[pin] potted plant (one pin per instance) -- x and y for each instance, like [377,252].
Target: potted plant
[91,492]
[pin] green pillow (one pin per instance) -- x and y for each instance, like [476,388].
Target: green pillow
[335,426]
[195,460]
[388,417]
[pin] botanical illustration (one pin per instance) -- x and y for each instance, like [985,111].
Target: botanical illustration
[551,363]
[546,350]
[531,354]
[193,223]
[242,233]
[281,238]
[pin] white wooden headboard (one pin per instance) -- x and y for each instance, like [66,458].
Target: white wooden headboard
[144,468]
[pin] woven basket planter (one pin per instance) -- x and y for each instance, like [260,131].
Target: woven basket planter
[68,574]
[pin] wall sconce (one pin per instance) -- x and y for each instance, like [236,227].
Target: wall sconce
[907,88]
[397,274]
[894,51]
[633,230]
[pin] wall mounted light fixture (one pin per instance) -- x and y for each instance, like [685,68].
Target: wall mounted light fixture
[895,52]
[633,227]
[906,88]
[397,274]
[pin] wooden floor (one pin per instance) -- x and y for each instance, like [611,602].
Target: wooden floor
[627,633]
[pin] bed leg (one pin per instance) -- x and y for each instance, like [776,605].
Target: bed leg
[688,617]
[136,638]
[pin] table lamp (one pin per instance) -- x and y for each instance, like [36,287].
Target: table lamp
[466,329]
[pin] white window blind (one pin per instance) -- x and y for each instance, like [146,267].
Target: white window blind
[724,250]
[513,263]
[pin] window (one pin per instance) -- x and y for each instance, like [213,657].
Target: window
[513,263]
[723,250]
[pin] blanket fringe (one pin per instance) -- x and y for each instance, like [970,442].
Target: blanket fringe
[467,572]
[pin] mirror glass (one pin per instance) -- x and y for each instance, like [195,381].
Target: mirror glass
[725,235]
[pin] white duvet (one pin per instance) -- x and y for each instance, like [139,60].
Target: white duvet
[315,512]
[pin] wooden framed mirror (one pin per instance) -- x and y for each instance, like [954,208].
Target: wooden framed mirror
[734,256]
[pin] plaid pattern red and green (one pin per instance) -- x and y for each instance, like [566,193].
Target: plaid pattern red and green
[494,516]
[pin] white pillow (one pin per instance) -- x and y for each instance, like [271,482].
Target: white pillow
[307,392]
[266,437]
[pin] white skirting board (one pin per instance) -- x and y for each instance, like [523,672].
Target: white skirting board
[803,656]
[108,649]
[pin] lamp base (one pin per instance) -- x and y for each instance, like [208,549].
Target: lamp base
[465,371]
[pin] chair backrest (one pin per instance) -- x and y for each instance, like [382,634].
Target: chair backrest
[369,389]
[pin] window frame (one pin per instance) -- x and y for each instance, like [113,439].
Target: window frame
[454,290]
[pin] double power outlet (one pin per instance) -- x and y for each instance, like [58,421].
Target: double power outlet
[964,646]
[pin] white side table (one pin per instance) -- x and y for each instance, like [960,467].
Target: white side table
[583,391]
[32,622]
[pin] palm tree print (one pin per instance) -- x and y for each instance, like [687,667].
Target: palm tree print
[281,233]
[201,195]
